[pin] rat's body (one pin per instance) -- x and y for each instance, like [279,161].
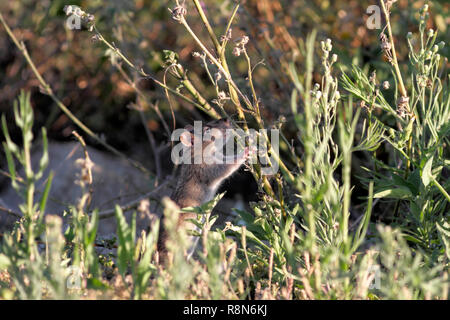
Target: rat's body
[199,181]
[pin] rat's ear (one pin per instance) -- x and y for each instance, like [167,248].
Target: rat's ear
[189,128]
[186,138]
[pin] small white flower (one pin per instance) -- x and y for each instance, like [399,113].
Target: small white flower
[338,95]
[334,58]
[318,94]
[222,96]
[68,10]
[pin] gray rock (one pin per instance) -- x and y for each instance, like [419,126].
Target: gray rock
[115,181]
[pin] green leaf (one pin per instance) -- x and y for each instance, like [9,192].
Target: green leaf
[125,248]
[444,235]
[364,224]
[12,147]
[394,193]
[44,197]
[399,181]
[92,230]
[43,163]
[415,181]
[4,261]
[95,283]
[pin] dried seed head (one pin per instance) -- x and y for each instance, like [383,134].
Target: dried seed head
[227,36]
[95,38]
[386,85]
[402,106]
[218,76]
[422,80]
[221,98]
[362,104]
[76,11]
[240,45]
[144,208]
[389,4]
[86,166]
[328,45]
[337,95]
[386,46]
[244,40]
[179,11]
[336,226]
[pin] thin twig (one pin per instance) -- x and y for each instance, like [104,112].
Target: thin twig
[10,212]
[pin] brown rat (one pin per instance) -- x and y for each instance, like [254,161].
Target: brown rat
[200,178]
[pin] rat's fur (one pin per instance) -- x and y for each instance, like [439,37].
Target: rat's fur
[198,183]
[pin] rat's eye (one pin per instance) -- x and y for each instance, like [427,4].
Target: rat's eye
[206,130]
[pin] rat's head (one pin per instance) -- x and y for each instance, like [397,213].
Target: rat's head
[206,142]
[211,161]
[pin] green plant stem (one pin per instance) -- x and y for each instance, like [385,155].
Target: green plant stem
[234,91]
[308,137]
[250,80]
[441,189]
[203,104]
[402,88]
[205,21]
[346,175]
